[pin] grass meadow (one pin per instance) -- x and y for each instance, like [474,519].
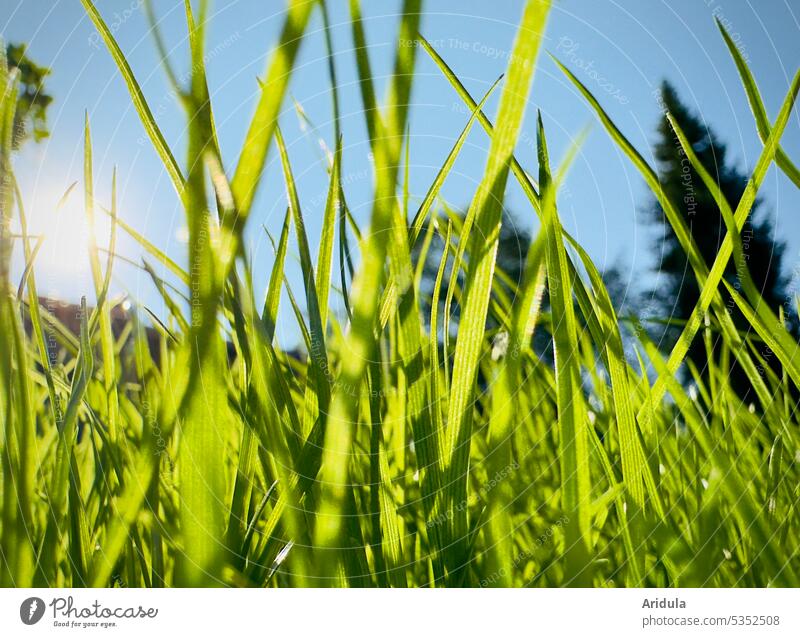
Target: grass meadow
[409,445]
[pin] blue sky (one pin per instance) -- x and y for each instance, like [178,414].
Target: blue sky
[620,49]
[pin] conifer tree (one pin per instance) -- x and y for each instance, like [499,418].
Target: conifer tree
[676,290]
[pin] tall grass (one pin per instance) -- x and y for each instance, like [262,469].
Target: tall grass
[392,454]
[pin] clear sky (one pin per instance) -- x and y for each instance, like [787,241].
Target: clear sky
[621,49]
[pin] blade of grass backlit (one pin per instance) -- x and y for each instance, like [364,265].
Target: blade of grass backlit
[203,413]
[435,406]
[269,315]
[316,403]
[59,486]
[487,207]
[358,345]
[500,459]
[433,192]
[632,454]
[757,105]
[400,82]
[15,396]
[161,256]
[572,416]
[137,97]
[750,517]
[386,521]
[371,111]
[516,167]
[101,309]
[33,306]
[265,119]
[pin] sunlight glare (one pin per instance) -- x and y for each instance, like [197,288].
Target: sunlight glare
[64,256]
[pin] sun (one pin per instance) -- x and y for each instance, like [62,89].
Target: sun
[62,265]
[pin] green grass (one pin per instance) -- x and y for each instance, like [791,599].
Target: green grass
[392,454]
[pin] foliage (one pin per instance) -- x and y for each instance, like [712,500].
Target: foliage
[30,118]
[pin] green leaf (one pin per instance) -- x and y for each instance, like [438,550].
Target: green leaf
[265,119]
[757,105]
[486,209]
[137,97]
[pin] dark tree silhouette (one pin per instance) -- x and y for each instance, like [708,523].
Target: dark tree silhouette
[676,291]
